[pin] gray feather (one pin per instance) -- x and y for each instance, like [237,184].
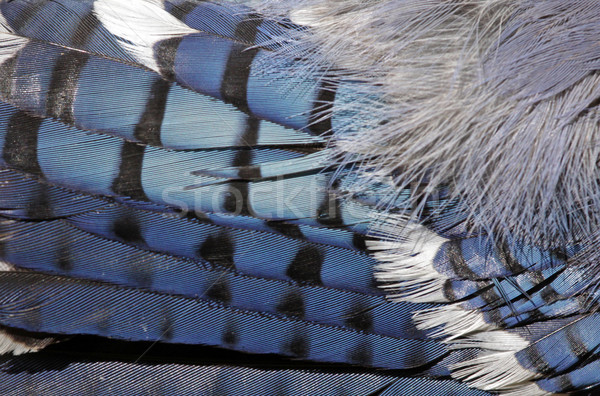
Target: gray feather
[496,99]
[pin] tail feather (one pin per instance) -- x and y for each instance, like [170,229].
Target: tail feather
[102,165]
[26,198]
[52,304]
[125,368]
[57,248]
[231,20]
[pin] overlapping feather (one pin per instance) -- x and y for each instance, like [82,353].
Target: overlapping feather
[136,207]
[169,177]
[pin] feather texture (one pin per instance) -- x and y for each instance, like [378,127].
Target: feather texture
[310,197]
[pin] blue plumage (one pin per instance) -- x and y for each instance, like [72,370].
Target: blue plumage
[136,315]
[206,378]
[207,62]
[157,112]
[173,215]
[226,19]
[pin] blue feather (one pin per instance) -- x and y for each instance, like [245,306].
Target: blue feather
[204,62]
[174,215]
[52,305]
[157,112]
[56,373]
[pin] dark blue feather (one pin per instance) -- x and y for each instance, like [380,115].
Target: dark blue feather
[137,369]
[49,304]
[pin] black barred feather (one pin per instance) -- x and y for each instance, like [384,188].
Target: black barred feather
[298,198]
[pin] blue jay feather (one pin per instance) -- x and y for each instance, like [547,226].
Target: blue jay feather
[200,197]
[163,105]
[70,374]
[205,62]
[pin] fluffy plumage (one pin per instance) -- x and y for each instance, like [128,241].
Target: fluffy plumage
[495,100]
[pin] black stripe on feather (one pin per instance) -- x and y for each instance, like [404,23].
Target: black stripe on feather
[457,260]
[237,198]
[320,116]
[362,354]
[180,11]
[40,206]
[329,212]
[576,344]
[165,53]
[234,87]
[65,75]
[128,229]
[507,258]
[21,141]
[27,14]
[87,26]
[63,85]
[218,250]
[306,266]
[360,318]
[129,181]
[289,230]
[292,304]
[537,360]
[230,334]
[299,345]
[148,128]
[167,327]
[64,261]
[220,291]
[7,71]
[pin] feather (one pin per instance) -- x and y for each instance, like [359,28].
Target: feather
[309,197]
[157,112]
[120,369]
[511,71]
[202,61]
[49,304]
